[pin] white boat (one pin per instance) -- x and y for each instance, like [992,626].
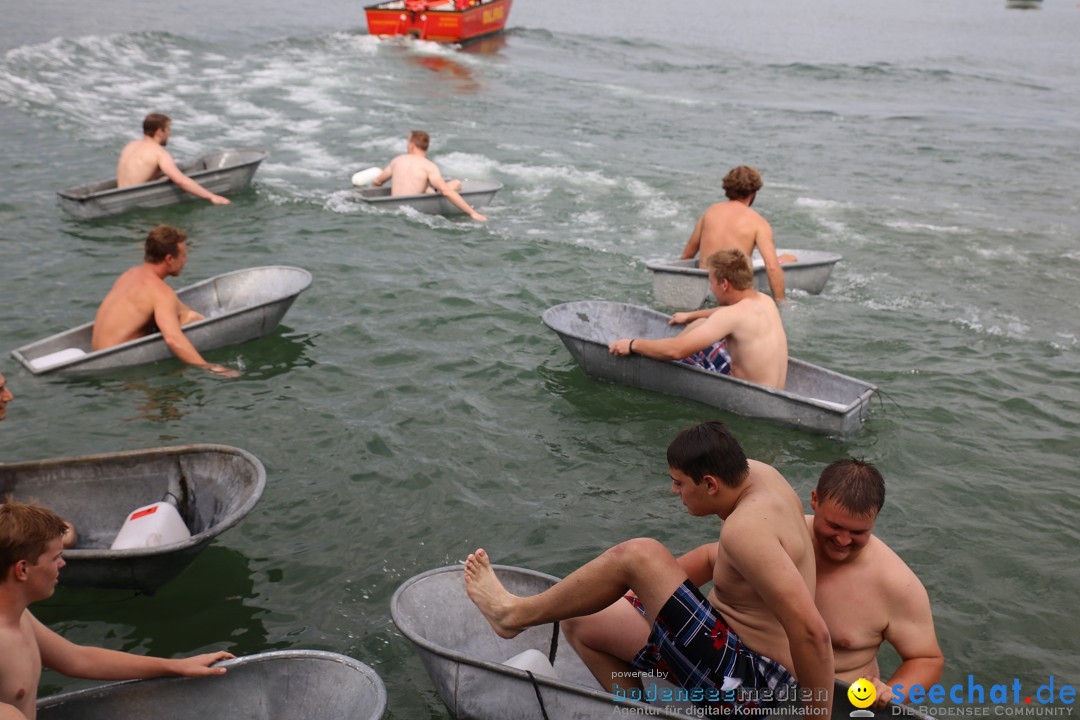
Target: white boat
[467,662]
[238,306]
[478,193]
[213,487]
[814,398]
[283,684]
[682,285]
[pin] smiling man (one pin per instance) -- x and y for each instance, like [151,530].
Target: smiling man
[865,592]
[31,558]
[755,631]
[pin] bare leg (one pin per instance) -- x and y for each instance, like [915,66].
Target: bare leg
[454,185]
[787,258]
[642,564]
[608,641]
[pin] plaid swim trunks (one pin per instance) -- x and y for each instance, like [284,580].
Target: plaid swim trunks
[692,647]
[714,358]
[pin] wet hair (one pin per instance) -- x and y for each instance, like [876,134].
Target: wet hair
[742,182]
[161,241]
[854,485]
[25,530]
[154,122]
[731,265]
[420,139]
[708,449]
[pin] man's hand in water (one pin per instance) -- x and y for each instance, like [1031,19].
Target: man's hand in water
[222,370]
[478,217]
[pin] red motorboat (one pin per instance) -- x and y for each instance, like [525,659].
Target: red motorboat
[444,21]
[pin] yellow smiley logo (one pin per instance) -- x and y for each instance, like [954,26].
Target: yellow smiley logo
[862,694]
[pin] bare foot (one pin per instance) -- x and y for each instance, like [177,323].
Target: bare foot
[488,594]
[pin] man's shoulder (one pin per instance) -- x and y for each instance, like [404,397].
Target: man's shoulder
[881,567]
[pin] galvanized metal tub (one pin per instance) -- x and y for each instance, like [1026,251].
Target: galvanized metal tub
[293,684]
[464,659]
[682,285]
[814,399]
[213,486]
[477,193]
[222,172]
[239,306]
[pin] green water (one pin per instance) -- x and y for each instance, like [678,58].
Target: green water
[412,407]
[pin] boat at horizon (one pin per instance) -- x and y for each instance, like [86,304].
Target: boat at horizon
[441,21]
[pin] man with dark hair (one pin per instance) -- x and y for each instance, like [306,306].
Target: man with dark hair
[140,302]
[30,561]
[744,337]
[865,592]
[739,646]
[733,224]
[414,174]
[147,159]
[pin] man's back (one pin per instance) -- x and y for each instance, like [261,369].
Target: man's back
[140,161]
[769,517]
[411,174]
[730,225]
[755,339]
[127,312]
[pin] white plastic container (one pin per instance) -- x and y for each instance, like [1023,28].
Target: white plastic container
[150,526]
[534,661]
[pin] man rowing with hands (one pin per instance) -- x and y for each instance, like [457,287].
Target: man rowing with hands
[736,225]
[140,302]
[31,556]
[147,159]
[744,337]
[865,592]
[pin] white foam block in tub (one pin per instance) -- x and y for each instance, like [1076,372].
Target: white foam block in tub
[60,356]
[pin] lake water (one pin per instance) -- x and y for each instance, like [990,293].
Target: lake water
[412,407]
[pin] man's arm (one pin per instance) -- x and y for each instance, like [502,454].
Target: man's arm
[386,174]
[699,563]
[169,170]
[719,324]
[911,633]
[694,243]
[756,552]
[435,179]
[10,712]
[167,318]
[92,663]
[773,271]
[684,318]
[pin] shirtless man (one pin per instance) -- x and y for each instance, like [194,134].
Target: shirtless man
[70,536]
[758,621]
[865,592]
[733,224]
[140,302]
[30,563]
[744,337]
[147,159]
[414,174]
